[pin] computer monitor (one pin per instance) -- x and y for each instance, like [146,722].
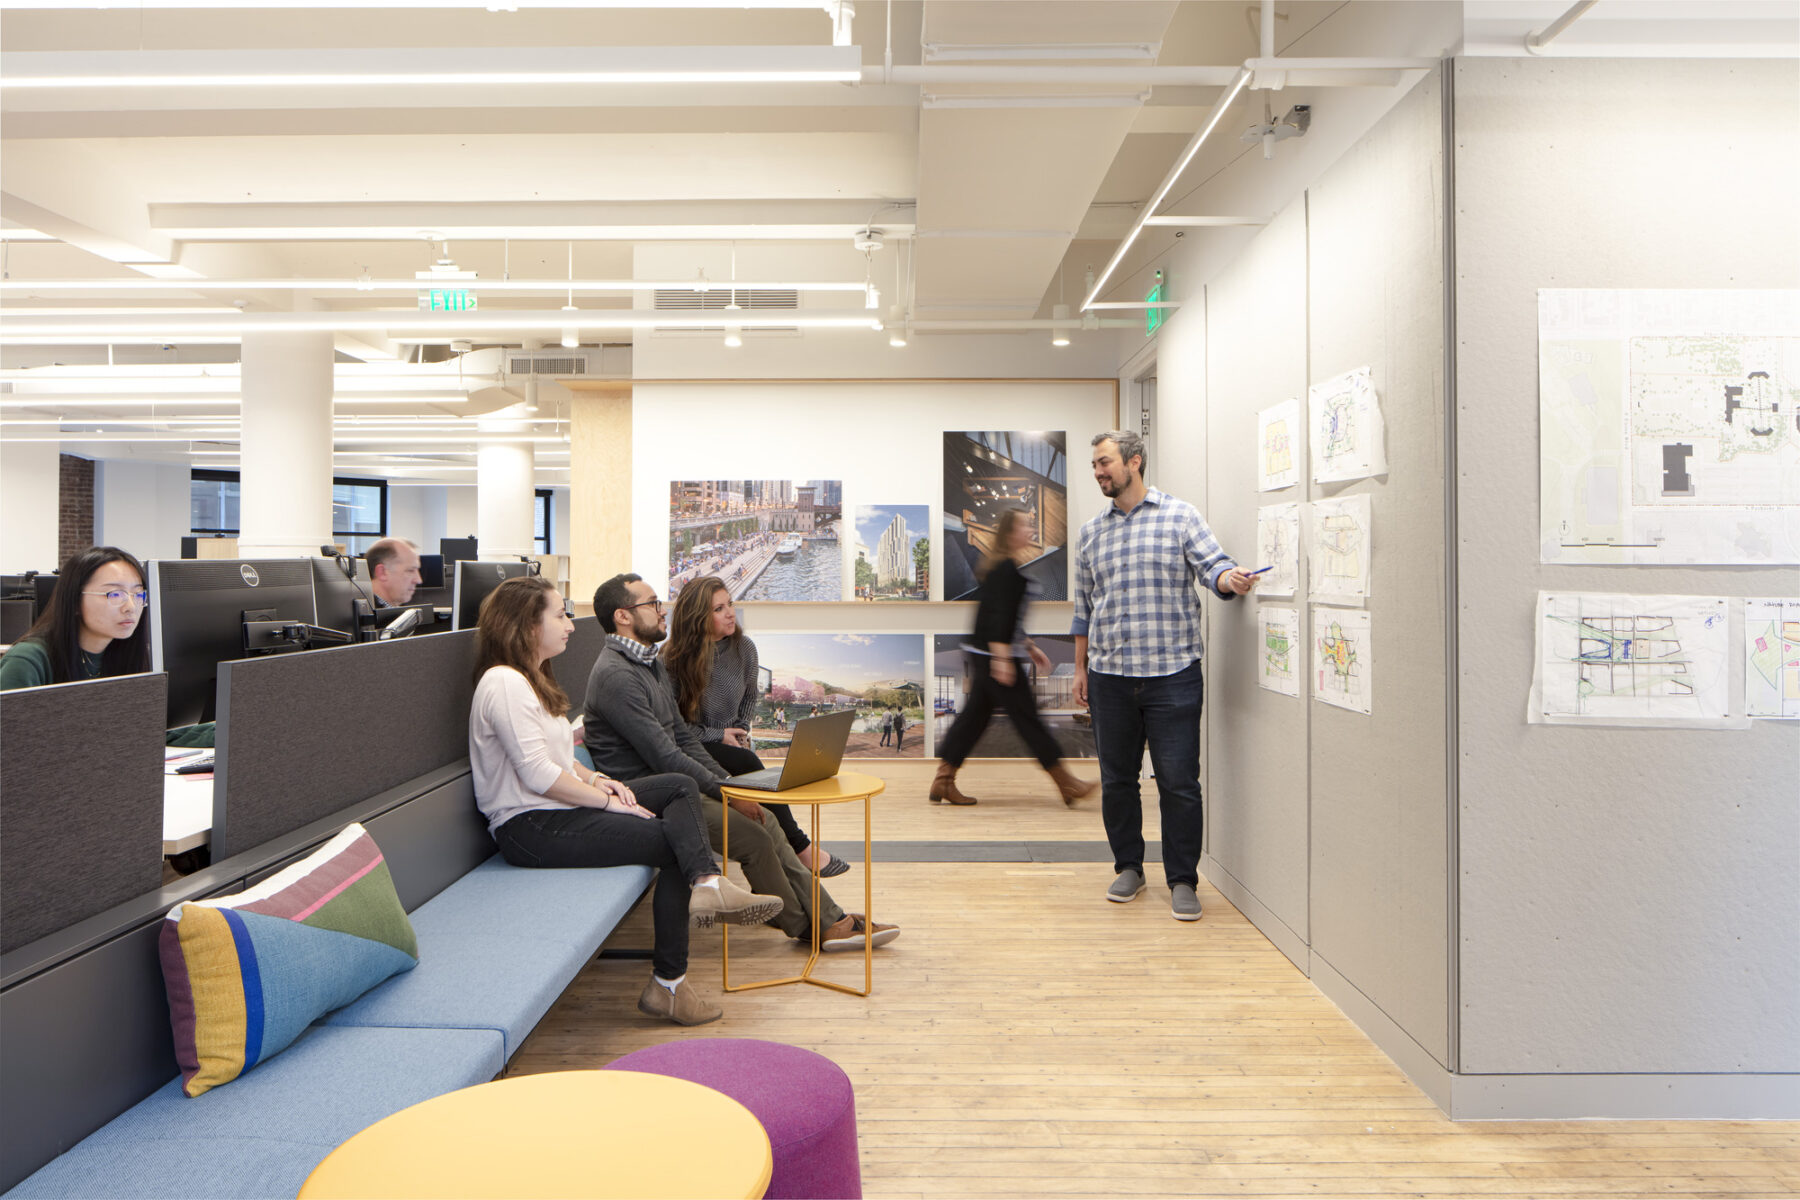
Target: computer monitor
[199,609]
[431,570]
[455,550]
[474,580]
[337,597]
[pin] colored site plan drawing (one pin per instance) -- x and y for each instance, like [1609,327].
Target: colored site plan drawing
[1614,659]
[1278,658]
[1345,429]
[1772,658]
[1277,465]
[1343,658]
[1669,426]
[1338,543]
[1278,547]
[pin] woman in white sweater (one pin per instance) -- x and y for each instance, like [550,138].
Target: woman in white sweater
[544,810]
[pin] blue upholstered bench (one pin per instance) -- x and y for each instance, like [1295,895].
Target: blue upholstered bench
[496,948]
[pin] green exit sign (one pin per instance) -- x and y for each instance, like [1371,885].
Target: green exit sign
[1153,317]
[447,300]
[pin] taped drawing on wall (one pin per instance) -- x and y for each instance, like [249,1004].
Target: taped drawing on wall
[1344,428]
[1277,446]
[1278,649]
[1669,426]
[1772,658]
[1339,540]
[1278,547]
[1343,658]
[1633,660]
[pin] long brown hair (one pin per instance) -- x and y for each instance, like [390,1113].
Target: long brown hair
[689,655]
[59,628]
[506,635]
[1001,546]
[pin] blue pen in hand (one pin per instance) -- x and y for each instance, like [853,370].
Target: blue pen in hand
[1258,571]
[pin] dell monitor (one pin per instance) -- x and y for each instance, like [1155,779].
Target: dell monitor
[474,581]
[203,612]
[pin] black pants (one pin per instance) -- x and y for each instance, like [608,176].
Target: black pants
[587,837]
[984,697]
[740,761]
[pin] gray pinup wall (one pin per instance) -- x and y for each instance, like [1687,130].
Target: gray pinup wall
[1629,898]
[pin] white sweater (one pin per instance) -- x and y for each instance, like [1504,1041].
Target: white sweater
[516,749]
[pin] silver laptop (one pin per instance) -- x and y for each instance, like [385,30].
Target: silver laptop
[816,752]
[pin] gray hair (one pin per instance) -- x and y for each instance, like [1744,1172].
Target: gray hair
[1130,446]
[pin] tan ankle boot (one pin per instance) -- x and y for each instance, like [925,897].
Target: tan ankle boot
[1071,786]
[943,787]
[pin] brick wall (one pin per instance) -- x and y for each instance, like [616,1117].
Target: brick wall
[75,523]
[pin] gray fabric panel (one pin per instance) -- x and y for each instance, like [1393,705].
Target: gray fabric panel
[302,736]
[431,842]
[81,801]
[573,666]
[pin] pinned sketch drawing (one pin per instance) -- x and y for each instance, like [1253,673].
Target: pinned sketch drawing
[1633,660]
[1278,547]
[1772,658]
[1277,446]
[1345,429]
[1278,649]
[1338,544]
[1669,426]
[1343,658]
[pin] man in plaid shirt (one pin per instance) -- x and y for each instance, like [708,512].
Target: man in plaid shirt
[1137,661]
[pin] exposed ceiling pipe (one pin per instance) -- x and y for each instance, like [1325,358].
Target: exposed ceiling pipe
[1535,42]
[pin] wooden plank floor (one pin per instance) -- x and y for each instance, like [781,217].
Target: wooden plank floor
[1027,1038]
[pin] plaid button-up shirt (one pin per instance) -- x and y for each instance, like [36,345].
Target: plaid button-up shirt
[1134,585]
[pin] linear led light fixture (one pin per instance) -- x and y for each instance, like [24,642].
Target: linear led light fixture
[138,283]
[55,70]
[488,439]
[488,5]
[364,374]
[27,330]
[1181,164]
[51,400]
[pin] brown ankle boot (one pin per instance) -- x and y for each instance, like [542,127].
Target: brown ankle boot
[1071,786]
[943,787]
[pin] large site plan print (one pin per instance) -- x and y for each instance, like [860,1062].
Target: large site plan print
[1669,426]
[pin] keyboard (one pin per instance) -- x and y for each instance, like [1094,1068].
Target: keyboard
[766,780]
[198,766]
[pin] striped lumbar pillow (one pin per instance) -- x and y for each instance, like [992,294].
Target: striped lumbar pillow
[246,974]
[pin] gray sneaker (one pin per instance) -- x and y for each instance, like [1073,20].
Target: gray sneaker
[1183,903]
[1126,888]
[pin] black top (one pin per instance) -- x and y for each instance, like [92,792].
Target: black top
[1001,598]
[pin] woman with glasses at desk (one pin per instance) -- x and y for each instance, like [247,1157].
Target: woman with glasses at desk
[93,626]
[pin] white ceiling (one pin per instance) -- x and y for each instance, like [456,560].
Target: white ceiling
[996,195]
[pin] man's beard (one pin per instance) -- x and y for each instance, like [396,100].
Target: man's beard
[652,635]
[1110,489]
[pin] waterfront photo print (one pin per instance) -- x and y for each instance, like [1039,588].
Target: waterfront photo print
[879,676]
[984,475]
[891,556]
[768,539]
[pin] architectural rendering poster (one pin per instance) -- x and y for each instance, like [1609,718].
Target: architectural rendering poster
[891,554]
[769,539]
[984,475]
[1054,689]
[880,676]
[1667,426]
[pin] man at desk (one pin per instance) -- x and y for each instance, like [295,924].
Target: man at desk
[634,729]
[393,571]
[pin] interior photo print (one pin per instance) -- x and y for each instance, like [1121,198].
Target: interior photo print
[768,539]
[1054,691]
[984,475]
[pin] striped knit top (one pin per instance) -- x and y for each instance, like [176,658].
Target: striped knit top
[730,697]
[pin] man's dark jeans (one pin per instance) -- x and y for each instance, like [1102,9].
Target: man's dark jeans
[1163,711]
[675,843]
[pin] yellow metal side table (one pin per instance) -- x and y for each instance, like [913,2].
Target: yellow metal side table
[839,789]
[590,1134]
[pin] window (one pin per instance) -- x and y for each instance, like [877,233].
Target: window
[358,507]
[546,511]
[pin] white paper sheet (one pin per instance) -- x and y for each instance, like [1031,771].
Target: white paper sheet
[1772,658]
[1278,650]
[1278,446]
[1344,428]
[1343,658]
[1607,659]
[1278,547]
[1339,540]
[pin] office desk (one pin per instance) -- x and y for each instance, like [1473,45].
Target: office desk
[187,808]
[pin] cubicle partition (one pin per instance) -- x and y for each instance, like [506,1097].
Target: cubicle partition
[572,667]
[81,801]
[302,736]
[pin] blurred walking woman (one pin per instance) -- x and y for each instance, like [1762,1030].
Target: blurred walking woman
[545,810]
[997,652]
[93,626]
[712,670]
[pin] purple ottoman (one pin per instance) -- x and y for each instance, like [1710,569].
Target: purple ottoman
[803,1100]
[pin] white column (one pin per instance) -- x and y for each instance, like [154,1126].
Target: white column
[285,499]
[30,506]
[505,495]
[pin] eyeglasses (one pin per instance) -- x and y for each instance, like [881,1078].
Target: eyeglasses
[656,604]
[116,596]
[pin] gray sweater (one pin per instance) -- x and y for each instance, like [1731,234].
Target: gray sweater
[729,701]
[633,729]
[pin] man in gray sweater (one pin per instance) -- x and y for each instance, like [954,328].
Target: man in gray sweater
[633,729]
